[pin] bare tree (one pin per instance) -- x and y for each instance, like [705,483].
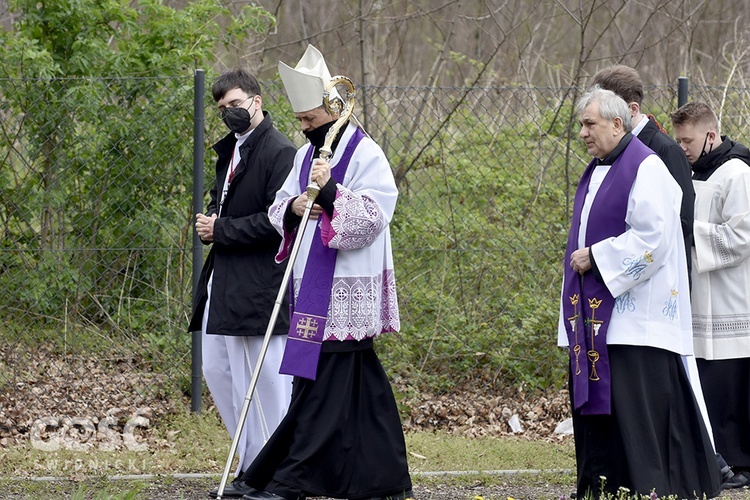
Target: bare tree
[398,42]
[446,42]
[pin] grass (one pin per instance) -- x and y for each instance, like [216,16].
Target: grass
[197,444]
[187,443]
[442,452]
[183,443]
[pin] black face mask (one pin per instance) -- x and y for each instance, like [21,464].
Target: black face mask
[317,136]
[237,119]
[703,151]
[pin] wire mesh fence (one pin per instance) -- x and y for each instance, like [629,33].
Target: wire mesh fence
[95,196]
[96,219]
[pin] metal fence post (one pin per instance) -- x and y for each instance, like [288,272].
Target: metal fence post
[363,64]
[196,382]
[682,91]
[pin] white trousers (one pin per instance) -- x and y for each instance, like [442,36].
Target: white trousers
[228,364]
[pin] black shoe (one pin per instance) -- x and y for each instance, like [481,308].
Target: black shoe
[265,495]
[726,470]
[740,480]
[235,489]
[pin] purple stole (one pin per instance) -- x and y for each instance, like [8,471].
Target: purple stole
[587,303]
[310,312]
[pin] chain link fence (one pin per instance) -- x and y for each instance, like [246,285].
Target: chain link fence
[95,188]
[96,179]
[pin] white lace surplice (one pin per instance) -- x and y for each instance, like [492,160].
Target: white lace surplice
[721,263]
[363,297]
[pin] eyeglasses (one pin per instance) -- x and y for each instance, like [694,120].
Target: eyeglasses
[233,104]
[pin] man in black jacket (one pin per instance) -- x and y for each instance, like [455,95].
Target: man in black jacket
[626,82]
[240,281]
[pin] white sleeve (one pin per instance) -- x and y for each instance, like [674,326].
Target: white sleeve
[364,203]
[653,210]
[726,244]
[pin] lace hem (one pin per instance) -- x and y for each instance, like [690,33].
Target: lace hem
[361,306]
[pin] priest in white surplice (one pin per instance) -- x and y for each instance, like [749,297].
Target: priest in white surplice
[625,319]
[721,279]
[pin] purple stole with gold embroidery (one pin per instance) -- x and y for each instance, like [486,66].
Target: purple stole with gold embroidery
[587,303]
[308,322]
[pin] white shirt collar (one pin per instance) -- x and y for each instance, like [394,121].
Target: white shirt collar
[637,129]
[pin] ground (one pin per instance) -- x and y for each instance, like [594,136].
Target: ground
[106,389]
[95,388]
[510,488]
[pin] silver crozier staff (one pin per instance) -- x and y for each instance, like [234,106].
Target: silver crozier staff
[344,108]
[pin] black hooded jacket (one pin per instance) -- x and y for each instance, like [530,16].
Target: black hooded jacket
[707,165]
[674,158]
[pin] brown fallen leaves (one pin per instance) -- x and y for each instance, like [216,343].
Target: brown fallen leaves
[473,413]
[76,402]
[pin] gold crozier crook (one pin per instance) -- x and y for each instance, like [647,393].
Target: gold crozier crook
[344,108]
[342,105]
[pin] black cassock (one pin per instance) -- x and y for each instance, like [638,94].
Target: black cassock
[655,438]
[726,388]
[342,436]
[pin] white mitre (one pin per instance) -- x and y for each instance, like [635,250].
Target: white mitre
[305,84]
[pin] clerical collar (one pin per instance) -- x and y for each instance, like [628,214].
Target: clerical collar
[637,127]
[612,156]
[317,136]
